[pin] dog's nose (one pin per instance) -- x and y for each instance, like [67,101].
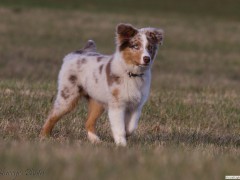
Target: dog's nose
[146,59]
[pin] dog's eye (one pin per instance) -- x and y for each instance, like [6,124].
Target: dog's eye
[134,46]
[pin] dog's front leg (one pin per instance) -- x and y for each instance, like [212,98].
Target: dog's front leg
[116,117]
[132,118]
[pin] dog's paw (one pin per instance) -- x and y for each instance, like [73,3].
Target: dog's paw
[121,141]
[93,138]
[43,138]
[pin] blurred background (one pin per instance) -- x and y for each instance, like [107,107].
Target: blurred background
[201,46]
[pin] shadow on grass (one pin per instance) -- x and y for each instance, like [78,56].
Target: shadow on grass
[170,138]
[191,138]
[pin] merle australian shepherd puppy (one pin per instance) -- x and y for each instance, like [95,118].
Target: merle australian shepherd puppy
[118,83]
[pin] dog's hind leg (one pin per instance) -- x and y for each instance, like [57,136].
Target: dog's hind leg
[95,110]
[66,100]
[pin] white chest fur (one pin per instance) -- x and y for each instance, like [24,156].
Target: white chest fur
[134,90]
[128,90]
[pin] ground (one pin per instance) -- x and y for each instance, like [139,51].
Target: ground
[190,126]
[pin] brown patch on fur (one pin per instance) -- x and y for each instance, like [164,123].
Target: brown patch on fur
[100,69]
[131,57]
[99,59]
[73,79]
[129,43]
[49,124]
[95,110]
[115,93]
[65,93]
[84,61]
[108,72]
[125,32]
[111,78]
[130,54]
[154,36]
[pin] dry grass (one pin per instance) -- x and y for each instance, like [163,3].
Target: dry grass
[189,128]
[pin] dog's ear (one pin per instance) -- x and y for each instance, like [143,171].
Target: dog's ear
[155,35]
[126,31]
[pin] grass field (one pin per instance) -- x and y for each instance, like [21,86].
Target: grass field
[190,126]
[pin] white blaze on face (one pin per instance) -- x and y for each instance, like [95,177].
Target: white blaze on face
[144,48]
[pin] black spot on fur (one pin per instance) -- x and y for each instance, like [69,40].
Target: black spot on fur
[73,79]
[100,69]
[80,89]
[152,49]
[79,51]
[99,58]
[87,97]
[65,93]
[124,45]
[83,92]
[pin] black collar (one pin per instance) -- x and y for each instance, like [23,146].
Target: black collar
[134,75]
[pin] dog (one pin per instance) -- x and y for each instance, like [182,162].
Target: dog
[119,83]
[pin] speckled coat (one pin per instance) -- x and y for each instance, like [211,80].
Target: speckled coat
[119,83]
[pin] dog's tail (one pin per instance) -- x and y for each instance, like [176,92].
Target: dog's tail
[90,46]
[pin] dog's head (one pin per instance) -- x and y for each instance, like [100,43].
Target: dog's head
[138,46]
